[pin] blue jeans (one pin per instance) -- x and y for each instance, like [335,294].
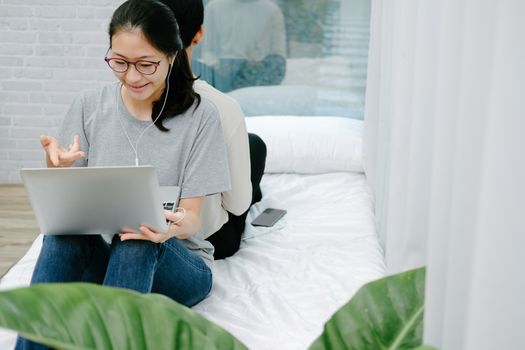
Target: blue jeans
[168,268]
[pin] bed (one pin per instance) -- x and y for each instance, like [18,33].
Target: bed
[286,281]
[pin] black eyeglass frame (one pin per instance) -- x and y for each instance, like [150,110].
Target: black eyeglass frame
[128,63]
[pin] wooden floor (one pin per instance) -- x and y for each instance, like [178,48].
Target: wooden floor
[18,227]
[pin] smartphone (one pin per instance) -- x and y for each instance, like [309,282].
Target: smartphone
[268,217]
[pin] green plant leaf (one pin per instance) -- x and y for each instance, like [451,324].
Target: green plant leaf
[386,314]
[89,316]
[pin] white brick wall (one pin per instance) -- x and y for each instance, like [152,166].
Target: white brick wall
[49,51]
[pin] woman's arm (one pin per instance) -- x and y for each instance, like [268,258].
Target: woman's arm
[183,224]
[191,219]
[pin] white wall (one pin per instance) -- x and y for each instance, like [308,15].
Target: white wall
[49,51]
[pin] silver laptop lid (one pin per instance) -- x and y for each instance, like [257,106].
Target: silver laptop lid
[93,200]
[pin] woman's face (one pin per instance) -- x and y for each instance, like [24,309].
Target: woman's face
[132,46]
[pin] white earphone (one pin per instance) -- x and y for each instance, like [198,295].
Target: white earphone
[135,148]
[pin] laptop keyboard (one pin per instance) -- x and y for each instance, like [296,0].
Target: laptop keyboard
[168,206]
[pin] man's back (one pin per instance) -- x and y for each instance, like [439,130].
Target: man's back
[237,200]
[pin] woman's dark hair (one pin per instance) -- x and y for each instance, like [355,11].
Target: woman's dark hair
[158,24]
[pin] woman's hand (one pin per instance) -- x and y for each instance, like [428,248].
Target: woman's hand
[148,233]
[59,157]
[182,224]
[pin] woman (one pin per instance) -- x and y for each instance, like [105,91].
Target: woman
[151,116]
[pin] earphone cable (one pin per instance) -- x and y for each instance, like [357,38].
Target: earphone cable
[135,148]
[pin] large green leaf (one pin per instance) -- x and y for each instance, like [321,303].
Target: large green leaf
[88,316]
[384,314]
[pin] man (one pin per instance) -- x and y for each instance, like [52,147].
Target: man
[223,214]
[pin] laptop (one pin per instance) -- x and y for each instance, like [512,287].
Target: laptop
[97,200]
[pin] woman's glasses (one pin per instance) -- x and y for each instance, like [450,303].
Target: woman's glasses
[120,65]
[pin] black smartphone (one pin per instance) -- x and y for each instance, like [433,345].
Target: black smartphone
[268,217]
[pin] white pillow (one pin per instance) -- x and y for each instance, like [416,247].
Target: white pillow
[310,145]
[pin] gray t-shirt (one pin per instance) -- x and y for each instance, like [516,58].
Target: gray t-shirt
[194,147]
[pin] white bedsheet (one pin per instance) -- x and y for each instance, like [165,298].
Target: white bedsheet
[285,282]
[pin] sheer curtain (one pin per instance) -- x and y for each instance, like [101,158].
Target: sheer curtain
[444,157]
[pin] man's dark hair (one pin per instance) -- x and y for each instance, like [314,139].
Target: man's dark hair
[189,15]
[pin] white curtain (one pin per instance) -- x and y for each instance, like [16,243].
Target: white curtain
[445,158]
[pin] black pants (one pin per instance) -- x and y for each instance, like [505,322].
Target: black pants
[228,238]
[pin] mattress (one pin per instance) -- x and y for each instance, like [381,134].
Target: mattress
[286,281]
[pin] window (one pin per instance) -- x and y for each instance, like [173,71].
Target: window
[287,57]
